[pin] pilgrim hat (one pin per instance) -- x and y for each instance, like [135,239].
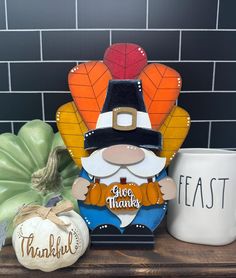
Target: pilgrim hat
[123,119]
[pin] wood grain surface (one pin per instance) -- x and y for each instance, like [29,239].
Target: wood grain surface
[169,258]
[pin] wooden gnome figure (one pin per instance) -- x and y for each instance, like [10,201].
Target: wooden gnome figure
[123,185]
[122,130]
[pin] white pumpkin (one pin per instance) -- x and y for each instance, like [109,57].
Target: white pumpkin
[41,244]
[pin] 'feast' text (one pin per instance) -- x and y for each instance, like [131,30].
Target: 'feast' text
[206,193]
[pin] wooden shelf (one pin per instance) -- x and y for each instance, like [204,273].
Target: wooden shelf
[169,258]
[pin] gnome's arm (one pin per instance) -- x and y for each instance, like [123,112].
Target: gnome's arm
[81,185]
[167,186]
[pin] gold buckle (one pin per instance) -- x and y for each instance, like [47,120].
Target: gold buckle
[124,110]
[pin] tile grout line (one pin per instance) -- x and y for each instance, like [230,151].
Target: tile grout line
[41,45]
[209,91]
[213,121]
[65,92]
[193,61]
[76,15]
[6,15]
[150,61]
[43,110]
[12,128]
[35,92]
[120,29]
[180,44]
[213,76]
[217,15]
[9,76]
[22,121]
[147,13]
[193,121]
[45,61]
[209,135]
[110,37]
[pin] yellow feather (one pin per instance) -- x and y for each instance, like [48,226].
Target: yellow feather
[174,131]
[72,129]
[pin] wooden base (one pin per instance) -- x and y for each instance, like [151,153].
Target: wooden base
[129,241]
[168,258]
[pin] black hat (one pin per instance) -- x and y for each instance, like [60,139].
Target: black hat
[123,119]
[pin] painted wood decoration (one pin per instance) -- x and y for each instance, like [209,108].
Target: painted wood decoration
[72,129]
[161,87]
[174,130]
[123,188]
[88,85]
[125,60]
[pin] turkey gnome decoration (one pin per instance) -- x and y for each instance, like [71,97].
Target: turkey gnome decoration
[122,130]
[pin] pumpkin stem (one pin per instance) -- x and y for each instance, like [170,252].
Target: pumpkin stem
[48,179]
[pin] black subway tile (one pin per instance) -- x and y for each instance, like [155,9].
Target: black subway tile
[44,14]
[159,45]
[225,76]
[227,16]
[4,77]
[184,14]
[75,45]
[5,127]
[52,101]
[17,46]
[40,76]
[23,106]
[17,126]
[54,126]
[2,15]
[196,76]
[223,135]
[208,45]
[197,136]
[209,106]
[112,14]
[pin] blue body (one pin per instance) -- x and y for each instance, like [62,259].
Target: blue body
[150,216]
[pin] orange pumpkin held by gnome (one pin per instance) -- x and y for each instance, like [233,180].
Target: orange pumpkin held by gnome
[123,132]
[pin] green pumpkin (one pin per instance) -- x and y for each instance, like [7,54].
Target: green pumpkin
[34,167]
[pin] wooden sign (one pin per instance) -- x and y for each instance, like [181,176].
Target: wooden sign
[123,109]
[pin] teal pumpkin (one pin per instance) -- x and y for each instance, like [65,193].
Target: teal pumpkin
[34,167]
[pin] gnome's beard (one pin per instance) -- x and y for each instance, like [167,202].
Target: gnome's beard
[137,173]
[150,166]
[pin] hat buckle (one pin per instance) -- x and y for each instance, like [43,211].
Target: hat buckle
[124,111]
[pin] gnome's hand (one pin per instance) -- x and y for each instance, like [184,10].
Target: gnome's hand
[168,188]
[80,188]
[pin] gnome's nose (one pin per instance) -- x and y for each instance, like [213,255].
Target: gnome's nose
[123,154]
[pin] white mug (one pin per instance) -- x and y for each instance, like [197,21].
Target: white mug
[204,210]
